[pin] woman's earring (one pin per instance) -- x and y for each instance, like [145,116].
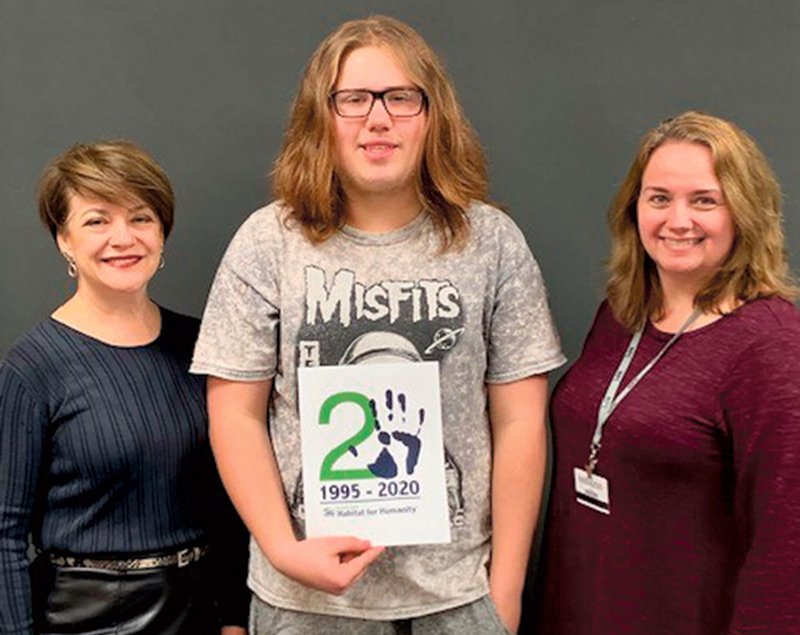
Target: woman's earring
[72,269]
[161,262]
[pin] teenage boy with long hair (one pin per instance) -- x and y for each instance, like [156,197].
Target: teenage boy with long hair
[381,244]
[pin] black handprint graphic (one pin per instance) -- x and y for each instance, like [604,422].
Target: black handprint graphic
[385,465]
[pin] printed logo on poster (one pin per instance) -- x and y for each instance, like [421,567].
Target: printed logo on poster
[373,454]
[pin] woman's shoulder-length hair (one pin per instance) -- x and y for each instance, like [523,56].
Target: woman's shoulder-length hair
[453,169]
[756,265]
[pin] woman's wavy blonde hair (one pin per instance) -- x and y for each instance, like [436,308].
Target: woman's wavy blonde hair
[452,172]
[756,265]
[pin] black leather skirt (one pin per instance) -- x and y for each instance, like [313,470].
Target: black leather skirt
[162,601]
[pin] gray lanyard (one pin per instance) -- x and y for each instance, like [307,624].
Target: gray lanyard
[611,399]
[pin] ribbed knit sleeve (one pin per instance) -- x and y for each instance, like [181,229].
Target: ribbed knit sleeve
[229,540]
[23,428]
[104,450]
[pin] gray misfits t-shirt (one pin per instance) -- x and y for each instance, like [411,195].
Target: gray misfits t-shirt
[279,302]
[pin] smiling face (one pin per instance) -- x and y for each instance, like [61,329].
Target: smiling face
[116,246]
[377,154]
[684,223]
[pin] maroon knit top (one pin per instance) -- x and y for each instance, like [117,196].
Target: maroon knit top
[703,464]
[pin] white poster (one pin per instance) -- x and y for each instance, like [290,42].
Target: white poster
[373,456]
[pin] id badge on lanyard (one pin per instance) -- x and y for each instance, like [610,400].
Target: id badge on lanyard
[591,489]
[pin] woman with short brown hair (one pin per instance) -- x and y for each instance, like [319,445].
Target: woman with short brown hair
[104,456]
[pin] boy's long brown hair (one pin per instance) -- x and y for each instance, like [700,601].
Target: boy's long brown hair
[452,172]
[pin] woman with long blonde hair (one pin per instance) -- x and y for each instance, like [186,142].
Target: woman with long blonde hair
[676,433]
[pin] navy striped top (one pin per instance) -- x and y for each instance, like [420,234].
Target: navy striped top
[103,451]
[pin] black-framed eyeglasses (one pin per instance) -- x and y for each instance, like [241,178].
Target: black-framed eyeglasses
[404,101]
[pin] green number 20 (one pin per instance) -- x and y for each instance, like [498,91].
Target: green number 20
[327,471]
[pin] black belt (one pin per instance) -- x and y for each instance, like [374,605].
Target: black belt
[179,559]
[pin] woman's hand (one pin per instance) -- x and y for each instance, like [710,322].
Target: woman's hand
[233,630]
[331,564]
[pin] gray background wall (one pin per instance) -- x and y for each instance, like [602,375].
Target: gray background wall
[559,92]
